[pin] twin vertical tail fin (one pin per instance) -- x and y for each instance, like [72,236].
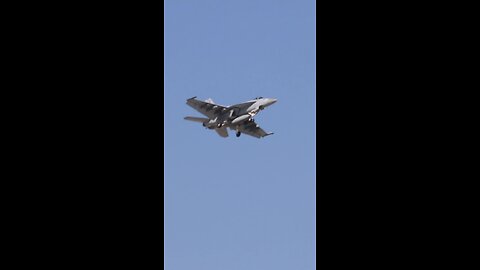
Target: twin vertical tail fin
[223,132]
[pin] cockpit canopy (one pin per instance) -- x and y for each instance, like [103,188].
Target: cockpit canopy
[258,97]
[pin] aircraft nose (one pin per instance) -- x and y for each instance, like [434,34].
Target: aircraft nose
[271,101]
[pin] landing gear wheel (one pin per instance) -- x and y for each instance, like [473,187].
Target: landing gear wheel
[238,134]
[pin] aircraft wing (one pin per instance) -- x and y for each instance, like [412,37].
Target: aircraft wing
[209,109]
[252,129]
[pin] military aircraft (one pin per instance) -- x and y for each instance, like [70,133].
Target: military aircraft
[238,117]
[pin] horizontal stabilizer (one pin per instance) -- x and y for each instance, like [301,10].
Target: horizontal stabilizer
[196,119]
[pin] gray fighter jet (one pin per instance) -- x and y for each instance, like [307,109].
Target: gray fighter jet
[237,117]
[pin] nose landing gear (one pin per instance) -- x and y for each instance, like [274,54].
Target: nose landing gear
[238,133]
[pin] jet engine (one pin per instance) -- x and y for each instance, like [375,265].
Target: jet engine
[211,124]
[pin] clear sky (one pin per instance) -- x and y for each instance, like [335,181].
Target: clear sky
[240,203]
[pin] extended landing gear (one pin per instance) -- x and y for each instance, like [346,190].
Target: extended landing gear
[238,133]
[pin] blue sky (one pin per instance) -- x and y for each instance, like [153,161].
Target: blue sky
[240,203]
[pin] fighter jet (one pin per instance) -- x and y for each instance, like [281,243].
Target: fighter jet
[238,117]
